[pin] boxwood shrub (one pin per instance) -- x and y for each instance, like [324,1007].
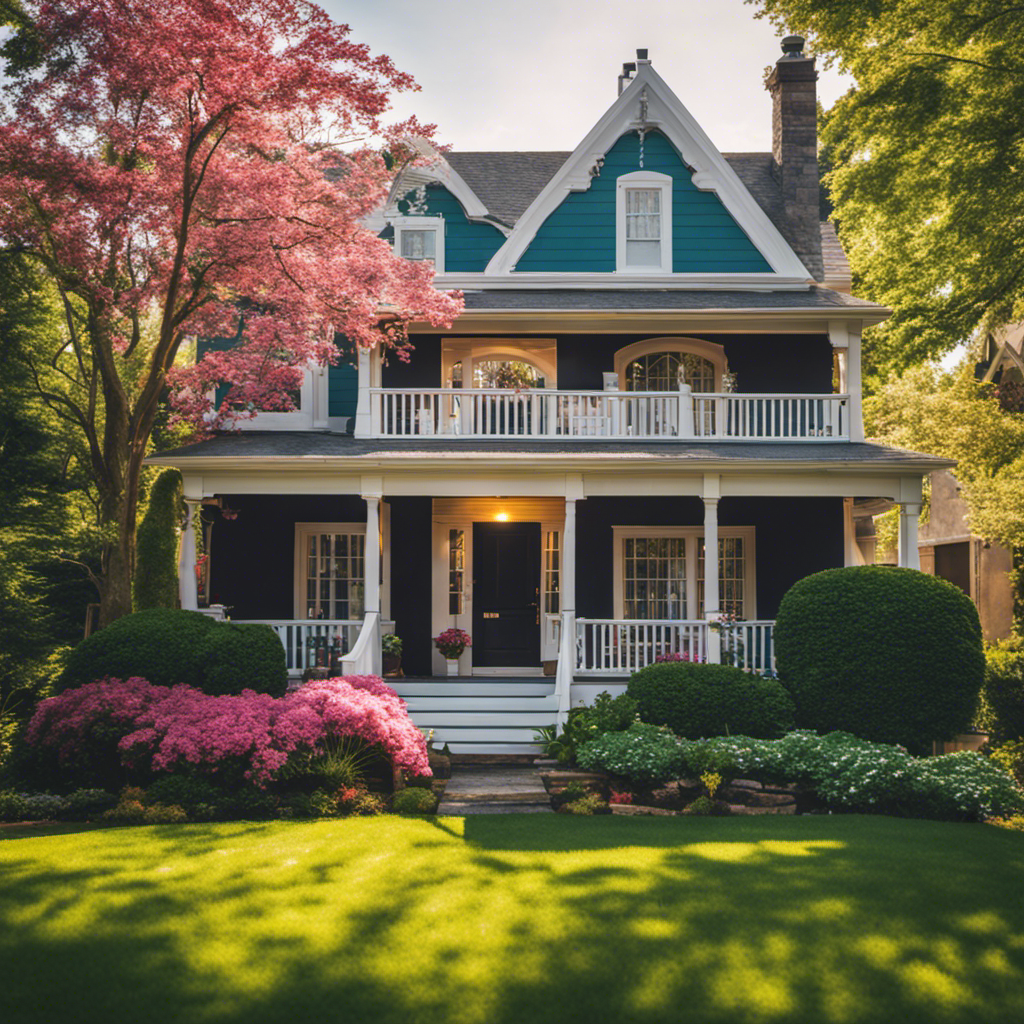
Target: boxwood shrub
[168,646]
[710,700]
[892,655]
[1001,711]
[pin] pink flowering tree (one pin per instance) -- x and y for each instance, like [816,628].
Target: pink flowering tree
[166,164]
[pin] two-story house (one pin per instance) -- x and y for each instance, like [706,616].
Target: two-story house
[659,357]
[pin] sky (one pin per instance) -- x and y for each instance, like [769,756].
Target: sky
[537,74]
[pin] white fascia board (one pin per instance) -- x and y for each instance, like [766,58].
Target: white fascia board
[711,172]
[529,280]
[438,169]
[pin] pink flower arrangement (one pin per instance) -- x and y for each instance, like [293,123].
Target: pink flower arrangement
[452,642]
[163,728]
[620,797]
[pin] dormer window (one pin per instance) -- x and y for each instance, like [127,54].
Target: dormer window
[644,223]
[420,238]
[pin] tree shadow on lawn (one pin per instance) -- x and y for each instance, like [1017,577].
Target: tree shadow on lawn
[512,918]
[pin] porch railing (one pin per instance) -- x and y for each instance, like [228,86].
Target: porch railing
[665,415]
[772,417]
[618,647]
[315,643]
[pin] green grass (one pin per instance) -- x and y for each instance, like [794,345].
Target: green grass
[516,919]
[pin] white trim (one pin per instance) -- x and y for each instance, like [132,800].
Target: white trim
[556,280]
[711,172]
[439,171]
[298,574]
[435,224]
[301,419]
[691,534]
[709,350]
[654,181]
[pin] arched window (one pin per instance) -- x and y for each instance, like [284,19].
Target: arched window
[661,364]
[663,371]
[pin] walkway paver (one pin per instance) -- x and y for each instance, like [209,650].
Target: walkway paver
[494,789]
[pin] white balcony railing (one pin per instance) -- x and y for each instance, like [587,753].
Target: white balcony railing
[618,647]
[662,415]
[315,643]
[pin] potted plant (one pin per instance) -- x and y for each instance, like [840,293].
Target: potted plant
[451,643]
[391,652]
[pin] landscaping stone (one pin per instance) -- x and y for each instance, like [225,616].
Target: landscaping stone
[498,789]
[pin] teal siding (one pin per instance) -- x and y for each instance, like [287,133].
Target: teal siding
[579,235]
[468,245]
[342,390]
[204,345]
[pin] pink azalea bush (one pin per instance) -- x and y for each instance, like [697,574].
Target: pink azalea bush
[164,728]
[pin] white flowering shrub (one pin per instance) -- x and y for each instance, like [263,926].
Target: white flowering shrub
[643,753]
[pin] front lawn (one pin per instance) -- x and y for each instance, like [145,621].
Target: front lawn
[521,919]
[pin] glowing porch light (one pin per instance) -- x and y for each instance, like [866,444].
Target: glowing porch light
[501,517]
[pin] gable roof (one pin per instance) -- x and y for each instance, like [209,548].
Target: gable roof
[508,182]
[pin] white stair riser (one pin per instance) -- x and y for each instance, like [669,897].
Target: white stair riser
[471,689]
[447,734]
[482,705]
[465,720]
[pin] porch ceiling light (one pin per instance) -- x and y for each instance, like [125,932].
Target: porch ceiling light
[501,517]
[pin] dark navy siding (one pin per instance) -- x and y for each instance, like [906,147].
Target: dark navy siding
[423,370]
[579,235]
[793,538]
[253,556]
[779,363]
[411,547]
[468,245]
[763,363]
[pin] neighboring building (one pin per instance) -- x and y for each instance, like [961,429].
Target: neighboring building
[682,371]
[980,569]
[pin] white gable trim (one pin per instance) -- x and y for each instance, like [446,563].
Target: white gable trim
[711,172]
[437,169]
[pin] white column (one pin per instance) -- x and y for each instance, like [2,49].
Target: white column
[371,600]
[711,597]
[568,580]
[188,590]
[909,556]
[852,551]
[685,410]
[853,383]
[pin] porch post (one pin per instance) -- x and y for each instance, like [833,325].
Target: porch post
[568,581]
[712,492]
[909,557]
[371,597]
[188,590]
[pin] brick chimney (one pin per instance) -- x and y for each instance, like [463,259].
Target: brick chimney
[795,149]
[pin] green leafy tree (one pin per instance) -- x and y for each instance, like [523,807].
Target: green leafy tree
[952,414]
[927,178]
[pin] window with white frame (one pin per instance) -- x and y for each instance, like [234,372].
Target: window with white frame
[552,572]
[330,570]
[659,572]
[420,238]
[643,222]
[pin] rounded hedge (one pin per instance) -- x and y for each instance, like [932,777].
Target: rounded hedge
[169,646]
[414,801]
[696,700]
[891,655]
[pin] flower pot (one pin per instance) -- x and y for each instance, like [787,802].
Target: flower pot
[392,664]
[452,665]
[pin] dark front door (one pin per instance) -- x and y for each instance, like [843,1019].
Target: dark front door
[506,577]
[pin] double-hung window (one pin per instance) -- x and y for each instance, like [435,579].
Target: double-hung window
[659,572]
[420,239]
[330,570]
[643,223]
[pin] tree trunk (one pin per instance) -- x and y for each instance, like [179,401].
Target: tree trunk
[118,555]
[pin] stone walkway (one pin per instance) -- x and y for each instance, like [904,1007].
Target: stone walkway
[494,789]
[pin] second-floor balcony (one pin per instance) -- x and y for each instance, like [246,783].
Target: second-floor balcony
[478,413]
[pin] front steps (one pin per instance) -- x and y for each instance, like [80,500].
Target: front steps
[481,714]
